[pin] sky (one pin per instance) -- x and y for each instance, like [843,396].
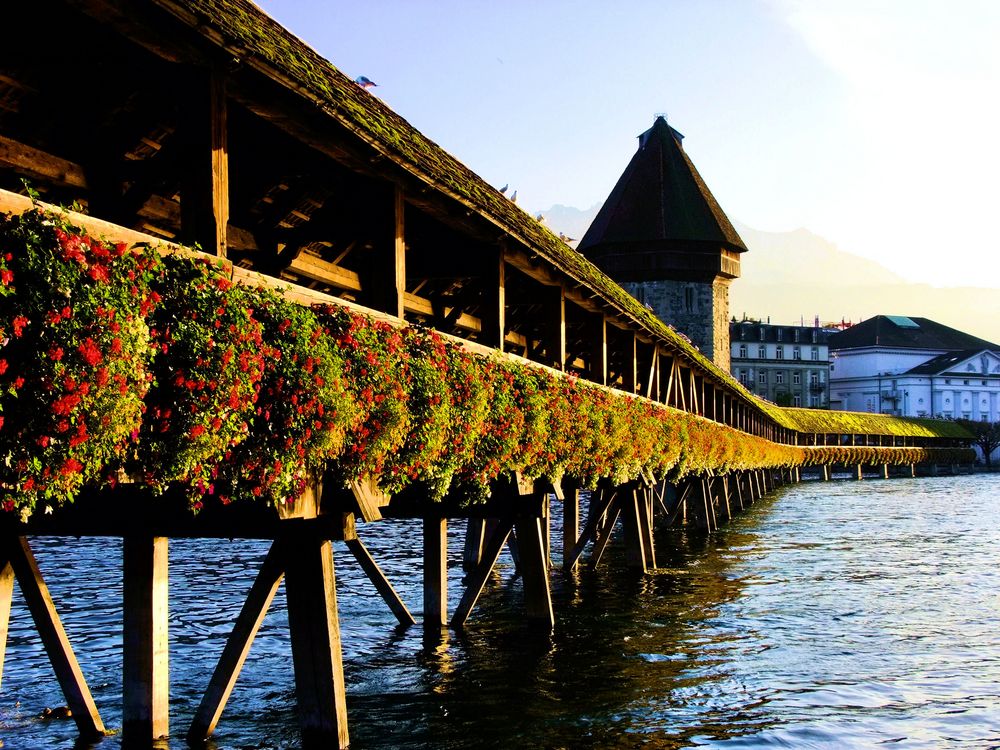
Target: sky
[873,123]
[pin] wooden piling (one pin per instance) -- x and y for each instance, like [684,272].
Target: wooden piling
[435,572]
[635,552]
[146,700]
[495,541]
[475,532]
[6,596]
[571,527]
[535,570]
[381,583]
[310,587]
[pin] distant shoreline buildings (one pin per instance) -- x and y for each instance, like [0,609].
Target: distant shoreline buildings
[789,365]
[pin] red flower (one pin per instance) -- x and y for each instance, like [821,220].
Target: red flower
[90,353]
[56,353]
[19,323]
[6,276]
[3,366]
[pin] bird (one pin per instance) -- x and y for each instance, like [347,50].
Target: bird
[504,188]
[365,82]
[513,197]
[539,218]
[566,238]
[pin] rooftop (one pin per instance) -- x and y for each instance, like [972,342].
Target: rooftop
[907,332]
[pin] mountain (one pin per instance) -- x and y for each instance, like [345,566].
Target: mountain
[795,276]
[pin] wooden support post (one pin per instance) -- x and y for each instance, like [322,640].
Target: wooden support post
[571,527]
[598,509]
[475,531]
[724,497]
[738,481]
[478,577]
[534,570]
[635,548]
[262,593]
[435,572]
[17,561]
[826,472]
[630,374]
[377,577]
[493,313]
[310,587]
[205,191]
[386,277]
[913,470]
[885,471]
[146,709]
[557,348]
[598,339]
[860,473]
[546,530]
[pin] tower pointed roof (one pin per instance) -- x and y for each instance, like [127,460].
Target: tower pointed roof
[660,202]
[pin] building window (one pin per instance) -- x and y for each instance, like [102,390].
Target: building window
[965,382]
[814,335]
[779,377]
[779,333]
[796,378]
[814,378]
[688,299]
[797,352]
[743,351]
[797,334]
[761,352]
[779,352]
[947,381]
[814,354]
[762,378]
[796,400]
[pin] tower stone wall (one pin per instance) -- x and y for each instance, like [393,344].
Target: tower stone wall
[699,310]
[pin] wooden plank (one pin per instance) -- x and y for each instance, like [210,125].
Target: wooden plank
[596,512]
[248,622]
[219,123]
[40,166]
[645,506]
[377,577]
[386,272]
[599,351]
[477,578]
[368,499]
[493,310]
[416,305]
[146,709]
[310,587]
[435,572]
[534,570]
[653,376]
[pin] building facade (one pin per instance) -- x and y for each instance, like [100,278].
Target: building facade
[915,367]
[662,235]
[788,365]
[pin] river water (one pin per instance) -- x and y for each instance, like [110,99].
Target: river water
[829,615]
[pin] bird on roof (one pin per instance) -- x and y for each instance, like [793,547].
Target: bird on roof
[566,238]
[365,82]
[513,197]
[539,218]
[504,188]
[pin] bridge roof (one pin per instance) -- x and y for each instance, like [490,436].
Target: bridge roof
[260,42]
[827,422]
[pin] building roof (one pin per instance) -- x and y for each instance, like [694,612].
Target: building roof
[661,196]
[945,362]
[748,332]
[898,332]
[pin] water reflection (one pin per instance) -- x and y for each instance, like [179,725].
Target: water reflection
[833,615]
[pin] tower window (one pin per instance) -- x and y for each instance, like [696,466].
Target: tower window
[688,299]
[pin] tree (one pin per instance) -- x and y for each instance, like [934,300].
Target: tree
[986,436]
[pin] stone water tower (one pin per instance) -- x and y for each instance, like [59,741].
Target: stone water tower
[662,236]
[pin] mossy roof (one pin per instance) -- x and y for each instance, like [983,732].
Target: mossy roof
[827,422]
[249,34]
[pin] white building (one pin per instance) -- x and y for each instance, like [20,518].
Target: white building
[914,367]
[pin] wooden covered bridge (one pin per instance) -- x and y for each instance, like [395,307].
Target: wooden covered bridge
[205,124]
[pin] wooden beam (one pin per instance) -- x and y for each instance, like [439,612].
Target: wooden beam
[248,622]
[534,570]
[478,577]
[571,527]
[40,166]
[146,709]
[317,269]
[386,272]
[6,595]
[601,543]
[18,557]
[377,577]
[635,547]
[493,310]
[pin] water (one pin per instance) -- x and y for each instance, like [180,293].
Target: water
[831,615]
